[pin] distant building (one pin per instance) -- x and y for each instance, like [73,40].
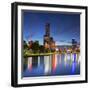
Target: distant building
[30,44]
[49,43]
[74,43]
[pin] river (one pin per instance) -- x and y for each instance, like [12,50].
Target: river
[52,65]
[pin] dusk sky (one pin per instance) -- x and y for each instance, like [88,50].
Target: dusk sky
[63,27]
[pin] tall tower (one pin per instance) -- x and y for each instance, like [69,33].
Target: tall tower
[47,29]
[47,36]
[48,43]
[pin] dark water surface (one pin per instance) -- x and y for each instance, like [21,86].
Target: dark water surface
[56,64]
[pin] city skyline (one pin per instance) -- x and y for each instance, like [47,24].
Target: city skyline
[63,27]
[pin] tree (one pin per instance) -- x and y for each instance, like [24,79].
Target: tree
[41,48]
[35,46]
[47,50]
[25,45]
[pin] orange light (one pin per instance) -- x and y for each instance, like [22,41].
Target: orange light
[53,63]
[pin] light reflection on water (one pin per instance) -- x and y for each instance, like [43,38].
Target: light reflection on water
[56,64]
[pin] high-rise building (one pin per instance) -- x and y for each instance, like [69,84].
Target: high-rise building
[74,43]
[47,29]
[48,40]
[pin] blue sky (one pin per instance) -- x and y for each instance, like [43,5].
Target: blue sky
[63,26]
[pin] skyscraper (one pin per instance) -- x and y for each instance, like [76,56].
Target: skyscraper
[47,29]
[48,40]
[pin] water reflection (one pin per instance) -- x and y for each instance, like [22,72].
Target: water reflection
[56,64]
[29,64]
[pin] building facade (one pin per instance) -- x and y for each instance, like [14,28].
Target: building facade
[49,42]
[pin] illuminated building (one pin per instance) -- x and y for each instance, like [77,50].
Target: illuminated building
[49,43]
[74,44]
[30,44]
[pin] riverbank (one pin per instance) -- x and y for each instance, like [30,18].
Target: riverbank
[46,54]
